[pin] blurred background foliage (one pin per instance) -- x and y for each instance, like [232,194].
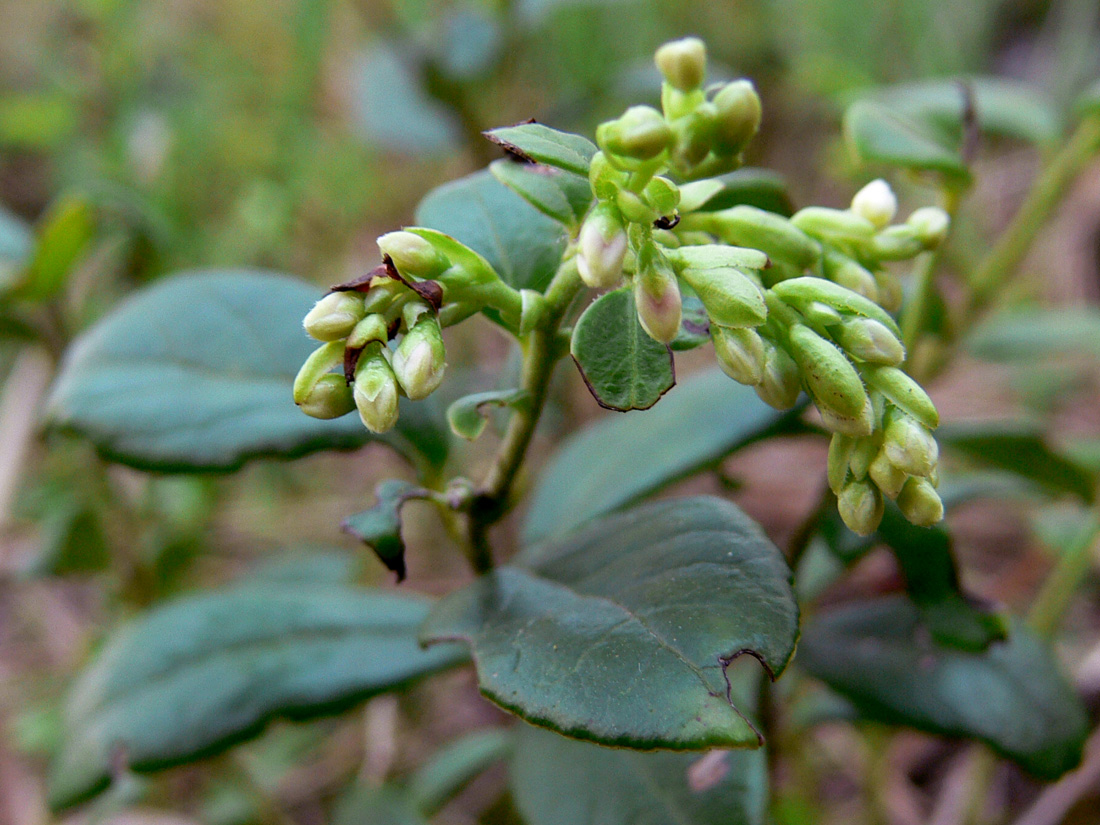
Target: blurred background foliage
[288,134]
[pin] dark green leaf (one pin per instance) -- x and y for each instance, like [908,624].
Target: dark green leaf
[380,526]
[64,235]
[195,374]
[623,458]
[1038,334]
[536,143]
[761,188]
[694,323]
[563,196]
[878,134]
[556,781]
[623,367]
[1012,696]
[621,632]
[523,245]
[72,541]
[1019,447]
[321,565]
[469,414]
[196,675]
[456,764]
[1088,104]
[385,805]
[394,110]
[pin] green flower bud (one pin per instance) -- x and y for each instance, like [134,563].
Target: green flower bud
[375,391]
[414,256]
[821,314]
[420,359]
[863,455]
[759,229]
[657,295]
[319,362]
[693,136]
[641,133]
[842,270]
[330,397]
[833,225]
[890,292]
[605,179]
[870,340]
[695,195]
[371,328]
[383,294]
[602,246]
[909,445]
[887,476]
[740,353]
[719,256]
[800,292]
[779,386]
[739,114]
[876,202]
[896,243]
[860,424]
[931,225]
[904,393]
[840,453]
[663,195]
[830,377]
[334,316]
[920,503]
[730,297]
[683,63]
[860,506]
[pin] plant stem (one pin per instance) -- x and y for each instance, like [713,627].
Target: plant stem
[1058,589]
[540,354]
[1045,195]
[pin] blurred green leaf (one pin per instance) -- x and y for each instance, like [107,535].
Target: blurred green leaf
[623,367]
[1012,697]
[71,541]
[456,764]
[195,373]
[198,674]
[16,243]
[536,143]
[64,236]
[380,526]
[878,134]
[621,632]
[557,781]
[694,322]
[761,188]
[563,196]
[37,121]
[623,458]
[469,414]
[522,245]
[1088,103]
[383,805]
[1037,334]
[470,44]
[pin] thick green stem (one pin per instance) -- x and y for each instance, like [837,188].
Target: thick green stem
[1069,571]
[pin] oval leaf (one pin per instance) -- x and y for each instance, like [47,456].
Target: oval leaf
[195,373]
[468,415]
[881,135]
[621,632]
[623,367]
[1012,696]
[192,677]
[522,245]
[535,143]
[563,196]
[380,526]
[621,459]
[591,784]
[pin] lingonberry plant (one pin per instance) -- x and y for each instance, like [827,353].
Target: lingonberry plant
[619,622]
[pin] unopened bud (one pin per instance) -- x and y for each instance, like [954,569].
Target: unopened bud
[860,424]
[414,256]
[683,63]
[604,178]
[641,133]
[821,314]
[420,359]
[860,506]
[740,353]
[371,328]
[730,297]
[827,224]
[890,292]
[920,503]
[634,209]
[663,195]
[829,375]
[863,455]
[375,392]
[694,134]
[334,316]
[931,224]
[779,386]
[602,246]
[319,362]
[904,393]
[909,445]
[876,203]
[840,453]
[330,397]
[772,234]
[657,296]
[887,476]
[896,243]
[739,114]
[842,270]
[870,340]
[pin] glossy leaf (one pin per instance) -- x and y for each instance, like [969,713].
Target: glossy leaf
[380,526]
[1019,447]
[195,373]
[623,367]
[523,245]
[621,632]
[878,134]
[761,188]
[456,764]
[536,143]
[1012,696]
[200,673]
[563,196]
[623,458]
[468,415]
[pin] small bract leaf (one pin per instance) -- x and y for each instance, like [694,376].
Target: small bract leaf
[195,374]
[195,675]
[469,414]
[622,631]
[380,526]
[563,196]
[1012,696]
[623,367]
[520,243]
[536,143]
